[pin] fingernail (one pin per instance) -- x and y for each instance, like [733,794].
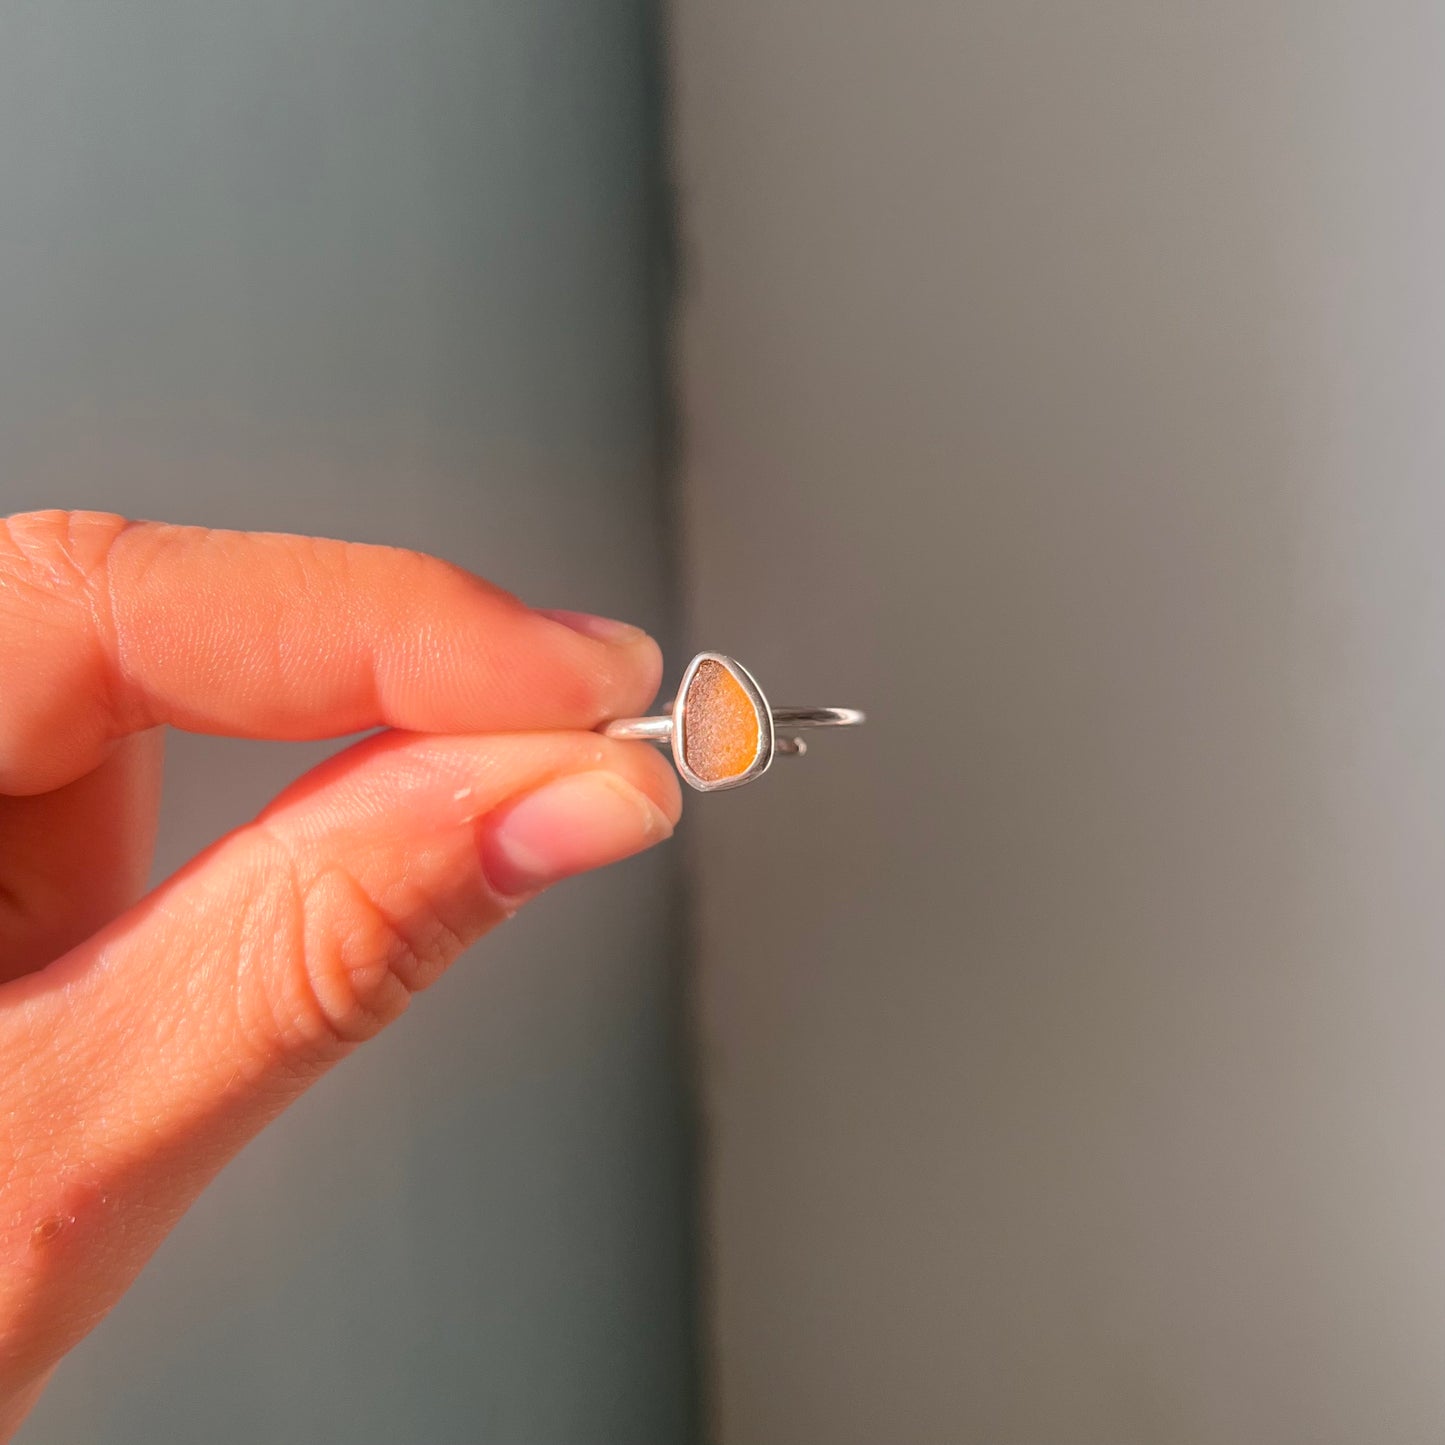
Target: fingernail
[567,826]
[603,629]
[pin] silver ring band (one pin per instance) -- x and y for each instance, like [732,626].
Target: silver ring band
[720,728]
[659,729]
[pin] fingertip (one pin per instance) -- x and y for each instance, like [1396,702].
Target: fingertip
[634,657]
[656,777]
[649,672]
[569,825]
[602,629]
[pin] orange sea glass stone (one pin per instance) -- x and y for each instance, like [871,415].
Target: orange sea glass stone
[721,730]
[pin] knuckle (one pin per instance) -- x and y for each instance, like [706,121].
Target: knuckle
[58,563]
[56,626]
[351,961]
[63,553]
[52,560]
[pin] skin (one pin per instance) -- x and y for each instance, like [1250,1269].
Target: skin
[147,1037]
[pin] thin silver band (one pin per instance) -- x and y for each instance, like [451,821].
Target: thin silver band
[640,729]
[659,729]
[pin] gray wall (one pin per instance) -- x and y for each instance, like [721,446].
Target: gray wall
[382,271]
[1065,383]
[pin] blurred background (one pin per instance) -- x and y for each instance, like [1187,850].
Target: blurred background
[1058,1061]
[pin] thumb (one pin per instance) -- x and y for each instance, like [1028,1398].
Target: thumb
[141,1061]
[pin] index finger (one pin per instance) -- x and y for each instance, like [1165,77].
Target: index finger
[108,627]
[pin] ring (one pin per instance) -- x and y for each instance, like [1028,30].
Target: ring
[720,728]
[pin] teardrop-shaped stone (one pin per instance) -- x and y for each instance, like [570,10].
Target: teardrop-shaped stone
[721,728]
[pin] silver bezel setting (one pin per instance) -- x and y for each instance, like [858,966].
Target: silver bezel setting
[762,761]
[669,729]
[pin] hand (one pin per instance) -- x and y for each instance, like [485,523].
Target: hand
[145,1041]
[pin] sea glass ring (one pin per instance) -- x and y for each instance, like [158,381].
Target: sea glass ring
[720,728]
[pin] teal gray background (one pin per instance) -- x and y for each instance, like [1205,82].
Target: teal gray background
[384,271]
